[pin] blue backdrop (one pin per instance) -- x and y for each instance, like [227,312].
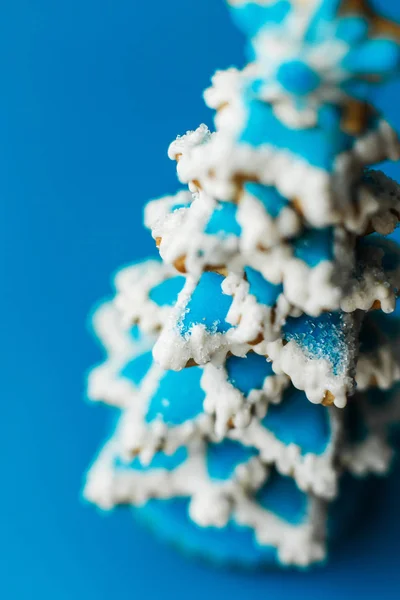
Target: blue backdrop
[92,93]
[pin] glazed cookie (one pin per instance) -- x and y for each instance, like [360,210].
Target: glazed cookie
[257,368]
[301,439]
[226,485]
[146,294]
[123,344]
[319,355]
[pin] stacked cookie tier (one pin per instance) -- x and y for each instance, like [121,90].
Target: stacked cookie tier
[255,371]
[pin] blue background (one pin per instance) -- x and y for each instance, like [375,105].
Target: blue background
[92,93]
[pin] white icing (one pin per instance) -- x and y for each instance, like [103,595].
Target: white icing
[104,381]
[133,285]
[213,503]
[313,473]
[230,406]
[183,234]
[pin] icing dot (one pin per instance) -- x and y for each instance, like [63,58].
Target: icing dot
[352,29]
[297,77]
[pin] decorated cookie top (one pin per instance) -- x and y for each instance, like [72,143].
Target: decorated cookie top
[224,483]
[318,51]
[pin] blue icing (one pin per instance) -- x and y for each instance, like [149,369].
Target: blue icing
[224,458]
[319,145]
[135,333]
[269,197]
[264,291]
[232,544]
[325,14]
[179,205]
[248,373]
[323,337]
[296,77]
[136,369]
[252,17]
[178,398]
[315,246]
[223,221]
[297,421]
[380,57]
[208,306]
[166,292]
[352,29]
[281,496]
[159,461]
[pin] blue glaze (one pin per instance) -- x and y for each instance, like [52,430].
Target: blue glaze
[224,458]
[137,369]
[135,333]
[325,14]
[166,293]
[319,146]
[223,221]
[179,205]
[159,461]
[322,337]
[296,77]
[352,29]
[252,17]
[281,496]
[297,421]
[178,398]
[248,373]
[232,544]
[208,306]
[270,198]
[265,292]
[315,246]
[374,57]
